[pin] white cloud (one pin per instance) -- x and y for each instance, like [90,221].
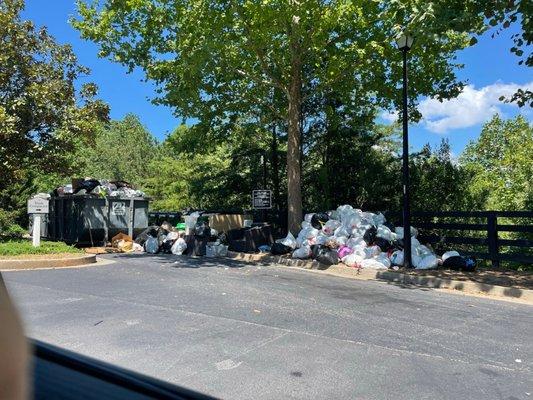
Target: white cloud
[472,107]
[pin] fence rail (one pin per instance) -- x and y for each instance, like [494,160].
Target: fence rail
[430,232]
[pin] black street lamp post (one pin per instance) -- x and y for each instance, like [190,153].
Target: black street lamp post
[404,43]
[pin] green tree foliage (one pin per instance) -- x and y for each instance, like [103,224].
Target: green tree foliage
[121,150]
[216,59]
[42,115]
[502,165]
[439,182]
[212,176]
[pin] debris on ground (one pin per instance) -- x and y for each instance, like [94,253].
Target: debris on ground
[362,240]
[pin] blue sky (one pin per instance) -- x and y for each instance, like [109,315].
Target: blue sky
[490,70]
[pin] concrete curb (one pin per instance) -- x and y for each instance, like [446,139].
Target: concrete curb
[467,287]
[75,260]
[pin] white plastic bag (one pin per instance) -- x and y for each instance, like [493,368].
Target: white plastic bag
[289,241]
[353,259]
[383,259]
[448,254]
[137,247]
[321,238]
[344,211]
[428,262]
[305,225]
[302,253]
[308,217]
[372,263]
[352,221]
[172,236]
[151,245]
[384,232]
[379,219]
[372,251]
[341,231]
[341,240]
[330,226]
[423,251]
[399,232]
[396,258]
[179,246]
[355,241]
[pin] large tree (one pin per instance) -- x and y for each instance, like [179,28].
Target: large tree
[43,117]
[215,59]
[501,163]
[121,150]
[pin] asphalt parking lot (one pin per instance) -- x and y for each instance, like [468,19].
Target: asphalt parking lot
[241,331]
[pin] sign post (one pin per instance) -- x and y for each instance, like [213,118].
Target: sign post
[262,200]
[36,234]
[37,206]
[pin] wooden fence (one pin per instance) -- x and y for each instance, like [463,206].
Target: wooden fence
[488,224]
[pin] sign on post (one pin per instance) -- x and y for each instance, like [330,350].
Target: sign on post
[262,199]
[38,205]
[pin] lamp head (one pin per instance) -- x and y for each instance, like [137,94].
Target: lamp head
[404,41]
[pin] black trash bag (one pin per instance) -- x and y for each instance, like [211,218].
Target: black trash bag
[324,255]
[88,185]
[280,249]
[370,235]
[319,219]
[398,244]
[202,230]
[143,236]
[166,246]
[455,263]
[121,184]
[460,263]
[223,238]
[383,244]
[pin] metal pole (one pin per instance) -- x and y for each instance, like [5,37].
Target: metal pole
[405,158]
[263,161]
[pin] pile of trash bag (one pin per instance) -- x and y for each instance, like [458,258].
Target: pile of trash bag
[361,240]
[166,239]
[100,188]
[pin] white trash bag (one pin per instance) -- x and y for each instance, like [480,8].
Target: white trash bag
[379,219]
[373,263]
[308,217]
[383,259]
[179,247]
[355,242]
[330,226]
[353,259]
[302,253]
[372,251]
[289,241]
[306,225]
[427,262]
[399,232]
[385,233]
[151,245]
[172,236]
[396,257]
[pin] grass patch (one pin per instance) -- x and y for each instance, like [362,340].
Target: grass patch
[16,247]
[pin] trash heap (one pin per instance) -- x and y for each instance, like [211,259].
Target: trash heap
[167,239]
[100,188]
[361,240]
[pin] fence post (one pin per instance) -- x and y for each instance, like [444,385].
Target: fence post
[492,237]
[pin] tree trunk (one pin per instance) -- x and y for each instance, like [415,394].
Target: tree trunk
[294,189]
